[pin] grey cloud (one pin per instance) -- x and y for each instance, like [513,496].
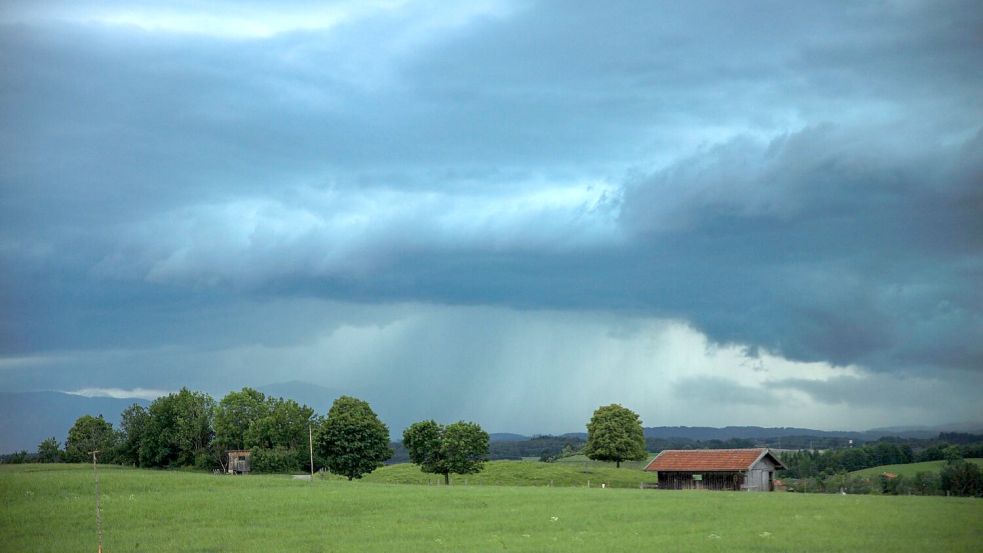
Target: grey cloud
[794,178]
[723,391]
[878,391]
[847,253]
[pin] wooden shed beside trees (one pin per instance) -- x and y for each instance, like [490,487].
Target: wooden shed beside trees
[238,461]
[716,469]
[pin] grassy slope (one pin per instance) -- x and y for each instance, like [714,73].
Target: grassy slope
[50,508]
[522,473]
[583,461]
[909,469]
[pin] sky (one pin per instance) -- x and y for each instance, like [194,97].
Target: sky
[713,213]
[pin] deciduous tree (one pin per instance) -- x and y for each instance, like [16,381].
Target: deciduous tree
[235,414]
[615,433]
[352,440]
[133,429]
[278,439]
[458,448]
[179,431]
[48,451]
[960,477]
[284,425]
[90,434]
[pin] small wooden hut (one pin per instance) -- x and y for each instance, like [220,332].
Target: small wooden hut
[716,469]
[238,461]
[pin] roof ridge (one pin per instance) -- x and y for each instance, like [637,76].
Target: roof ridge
[721,449]
[709,459]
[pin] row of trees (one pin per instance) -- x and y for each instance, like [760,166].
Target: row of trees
[958,477]
[189,429]
[807,464]
[887,451]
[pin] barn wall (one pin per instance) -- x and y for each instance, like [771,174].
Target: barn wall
[757,480]
[761,475]
[710,481]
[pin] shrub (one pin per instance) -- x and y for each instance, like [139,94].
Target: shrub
[276,460]
[926,483]
[896,485]
[962,478]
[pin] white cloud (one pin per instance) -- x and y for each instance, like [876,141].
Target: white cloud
[213,19]
[245,20]
[135,393]
[333,232]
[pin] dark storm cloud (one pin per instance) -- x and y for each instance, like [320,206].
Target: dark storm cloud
[874,391]
[837,244]
[787,176]
[723,391]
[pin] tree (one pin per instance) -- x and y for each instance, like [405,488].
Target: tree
[614,433]
[961,478]
[179,431]
[48,451]
[952,454]
[465,447]
[133,429]
[424,445]
[352,440]
[235,414]
[274,429]
[278,439]
[89,434]
[284,425]
[458,448]
[926,483]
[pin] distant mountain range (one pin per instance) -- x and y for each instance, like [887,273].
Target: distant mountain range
[705,433]
[27,418]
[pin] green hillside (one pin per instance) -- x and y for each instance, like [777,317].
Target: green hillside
[49,508]
[910,469]
[583,461]
[522,473]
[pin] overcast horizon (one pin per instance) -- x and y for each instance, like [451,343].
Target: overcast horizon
[713,213]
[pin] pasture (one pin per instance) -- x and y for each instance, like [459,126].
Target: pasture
[582,460]
[50,508]
[522,473]
[910,469]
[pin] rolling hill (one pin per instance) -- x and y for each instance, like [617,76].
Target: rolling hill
[910,469]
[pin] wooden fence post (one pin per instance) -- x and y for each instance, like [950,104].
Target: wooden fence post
[95,471]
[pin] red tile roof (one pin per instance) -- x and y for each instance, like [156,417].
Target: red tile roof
[707,459]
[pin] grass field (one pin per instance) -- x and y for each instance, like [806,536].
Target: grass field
[50,508]
[583,461]
[910,469]
[523,473]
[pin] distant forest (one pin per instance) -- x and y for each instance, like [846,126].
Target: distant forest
[884,450]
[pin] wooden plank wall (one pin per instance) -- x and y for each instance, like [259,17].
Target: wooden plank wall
[710,481]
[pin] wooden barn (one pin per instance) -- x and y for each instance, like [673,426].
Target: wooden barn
[716,469]
[238,461]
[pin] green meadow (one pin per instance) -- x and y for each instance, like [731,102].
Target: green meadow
[522,473]
[910,469]
[51,508]
[583,461]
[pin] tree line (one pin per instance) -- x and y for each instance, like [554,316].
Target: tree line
[886,451]
[190,429]
[956,477]
[830,471]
